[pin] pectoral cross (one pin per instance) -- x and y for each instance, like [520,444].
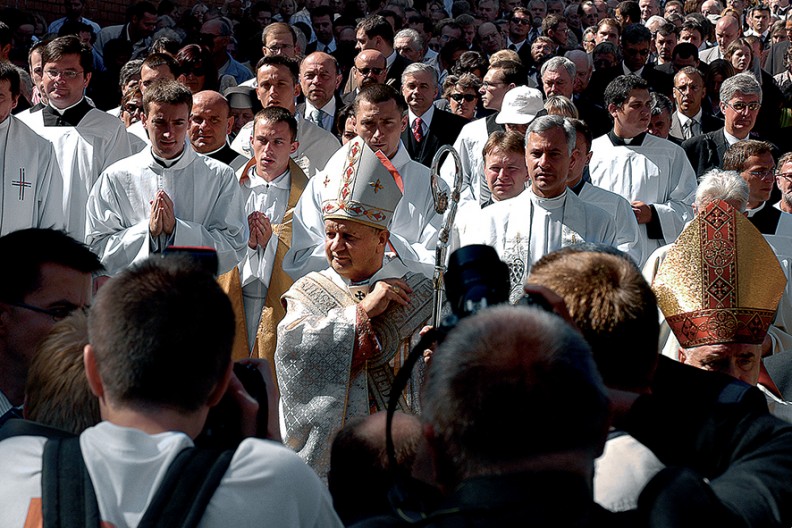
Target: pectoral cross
[21,183]
[360,295]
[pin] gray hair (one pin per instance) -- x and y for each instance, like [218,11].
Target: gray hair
[580,54]
[660,102]
[556,63]
[724,185]
[416,42]
[549,122]
[561,106]
[744,83]
[129,70]
[416,67]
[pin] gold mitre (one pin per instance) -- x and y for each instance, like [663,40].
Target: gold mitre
[368,190]
[720,282]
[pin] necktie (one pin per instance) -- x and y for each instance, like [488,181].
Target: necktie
[316,118]
[512,47]
[418,130]
[687,131]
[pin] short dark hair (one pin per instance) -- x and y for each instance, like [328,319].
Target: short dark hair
[167,92]
[139,9]
[685,50]
[276,114]
[551,22]
[513,72]
[618,91]
[613,307]
[281,60]
[691,24]
[6,35]
[736,155]
[68,45]
[582,128]
[376,26]
[8,72]
[75,27]
[321,11]
[162,333]
[378,94]
[630,9]
[635,34]
[27,249]
[155,60]
[278,27]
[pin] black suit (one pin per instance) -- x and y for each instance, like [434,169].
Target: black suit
[443,130]
[709,123]
[658,81]
[339,105]
[395,72]
[595,116]
[706,151]
[775,58]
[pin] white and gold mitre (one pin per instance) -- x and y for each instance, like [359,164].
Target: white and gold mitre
[367,191]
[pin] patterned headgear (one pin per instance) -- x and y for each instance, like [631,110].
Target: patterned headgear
[368,190]
[720,282]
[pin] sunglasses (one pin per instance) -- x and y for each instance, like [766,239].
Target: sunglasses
[464,97]
[198,71]
[373,71]
[522,21]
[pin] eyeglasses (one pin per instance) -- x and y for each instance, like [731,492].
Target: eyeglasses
[57,313]
[486,85]
[767,174]
[458,97]
[372,71]
[133,109]
[279,49]
[522,21]
[786,175]
[739,106]
[66,74]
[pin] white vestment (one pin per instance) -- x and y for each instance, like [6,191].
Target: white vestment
[317,146]
[32,186]
[255,268]
[207,203]
[83,152]
[413,230]
[469,145]
[316,342]
[628,234]
[525,228]
[657,172]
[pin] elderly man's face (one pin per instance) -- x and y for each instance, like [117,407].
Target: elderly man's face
[740,114]
[370,69]
[404,47]
[784,182]
[354,250]
[660,124]
[740,361]
[210,122]
[557,82]
[490,38]
[319,78]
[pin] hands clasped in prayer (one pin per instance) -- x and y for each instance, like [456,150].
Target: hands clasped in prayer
[260,229]
[383,293]
[163,218]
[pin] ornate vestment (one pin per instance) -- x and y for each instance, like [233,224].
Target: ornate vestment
[323,329]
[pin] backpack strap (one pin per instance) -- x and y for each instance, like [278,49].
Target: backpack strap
[187,488]
[67,494]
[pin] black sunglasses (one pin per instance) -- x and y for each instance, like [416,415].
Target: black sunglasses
[467,97]
[521,20]
[366,71]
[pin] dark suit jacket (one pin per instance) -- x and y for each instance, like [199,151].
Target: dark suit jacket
[395,72]
[775,58]
[706,151]
[659,81]
[339,105]
[709,123]
[443,130]
[596,117]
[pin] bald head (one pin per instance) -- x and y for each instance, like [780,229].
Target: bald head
[319,78]
[727,30]
[370,68]
[210,121]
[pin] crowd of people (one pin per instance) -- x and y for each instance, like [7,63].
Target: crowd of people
[224,230]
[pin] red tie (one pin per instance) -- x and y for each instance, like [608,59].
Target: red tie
[418,130]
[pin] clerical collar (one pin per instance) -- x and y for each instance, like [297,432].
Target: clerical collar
[70,116]
[548,203]
[583,179]
[210,154]
[254,180]
[751,212]
[624,142]
[168,163]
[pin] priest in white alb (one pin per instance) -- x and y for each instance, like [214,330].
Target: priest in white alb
[652,173]
[345,324]
[86,140]
[380,117]
[166,195]
[547,216]
[32,186]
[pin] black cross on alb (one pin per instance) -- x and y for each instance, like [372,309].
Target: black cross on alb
[21,183]
[360,295]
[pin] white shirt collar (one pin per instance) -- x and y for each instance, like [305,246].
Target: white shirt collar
[426,117]
[628,72]
[282,182]
[329,108]
[731,140]
[517,45]
[684,119]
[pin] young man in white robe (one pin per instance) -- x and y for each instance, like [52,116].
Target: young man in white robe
[86,140]
[271,185]
[345,324]
[652,173]
[278,85]
[32,185]
[380,118]
[166,195]
[628,236]
[547,216]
